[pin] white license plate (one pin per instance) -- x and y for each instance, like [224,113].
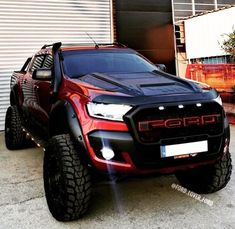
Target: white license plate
[184,148]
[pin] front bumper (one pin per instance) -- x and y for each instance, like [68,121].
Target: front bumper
[132,157]
[138,151]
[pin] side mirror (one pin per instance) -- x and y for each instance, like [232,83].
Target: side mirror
[42,74]
[161,67]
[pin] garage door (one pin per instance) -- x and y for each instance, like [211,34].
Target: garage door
[25,25]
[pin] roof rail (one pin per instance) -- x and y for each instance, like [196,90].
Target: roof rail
[77,44]
[96,45]
[114,43]
[120,44]
[85,44]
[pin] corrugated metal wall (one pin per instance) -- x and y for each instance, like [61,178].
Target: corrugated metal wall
[25,25]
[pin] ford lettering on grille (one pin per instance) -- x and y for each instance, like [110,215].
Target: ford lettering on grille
[179,122]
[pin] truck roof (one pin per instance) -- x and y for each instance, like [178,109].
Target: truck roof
[84,46]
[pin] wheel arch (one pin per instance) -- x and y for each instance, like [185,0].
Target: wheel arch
[63,120]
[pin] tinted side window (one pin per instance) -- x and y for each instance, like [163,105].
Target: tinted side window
[37,63]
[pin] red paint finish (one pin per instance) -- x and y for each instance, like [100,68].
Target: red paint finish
[79,100]
[37,94]
[89,124]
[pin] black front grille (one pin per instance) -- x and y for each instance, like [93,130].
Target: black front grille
[159,133]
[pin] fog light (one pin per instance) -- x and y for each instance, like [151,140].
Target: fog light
[181,106]
[107,153]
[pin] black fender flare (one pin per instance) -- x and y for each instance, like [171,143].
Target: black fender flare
[14,96]
[63,120]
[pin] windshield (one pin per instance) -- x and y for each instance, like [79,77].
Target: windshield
[77,64]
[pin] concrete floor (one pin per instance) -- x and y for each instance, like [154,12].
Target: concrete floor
[133,203]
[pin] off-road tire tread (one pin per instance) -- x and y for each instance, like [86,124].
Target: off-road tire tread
[76,178]
[16,139]
[208,179]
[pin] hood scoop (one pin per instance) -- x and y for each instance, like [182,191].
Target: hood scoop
[109,83]
[141,84]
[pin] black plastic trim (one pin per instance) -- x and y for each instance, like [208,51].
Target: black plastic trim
[121,140]
[64,113]
[129,118]
[147,156]
[56,71]
[14,100]
[146,100]
[118,141]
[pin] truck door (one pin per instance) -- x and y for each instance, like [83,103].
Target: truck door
[36,104]
[42,93]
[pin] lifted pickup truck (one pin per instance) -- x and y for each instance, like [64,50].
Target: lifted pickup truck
[106,108]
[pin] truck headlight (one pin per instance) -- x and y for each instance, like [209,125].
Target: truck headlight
[108,111]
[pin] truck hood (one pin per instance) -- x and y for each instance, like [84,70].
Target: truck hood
[137,87]
[144,84]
